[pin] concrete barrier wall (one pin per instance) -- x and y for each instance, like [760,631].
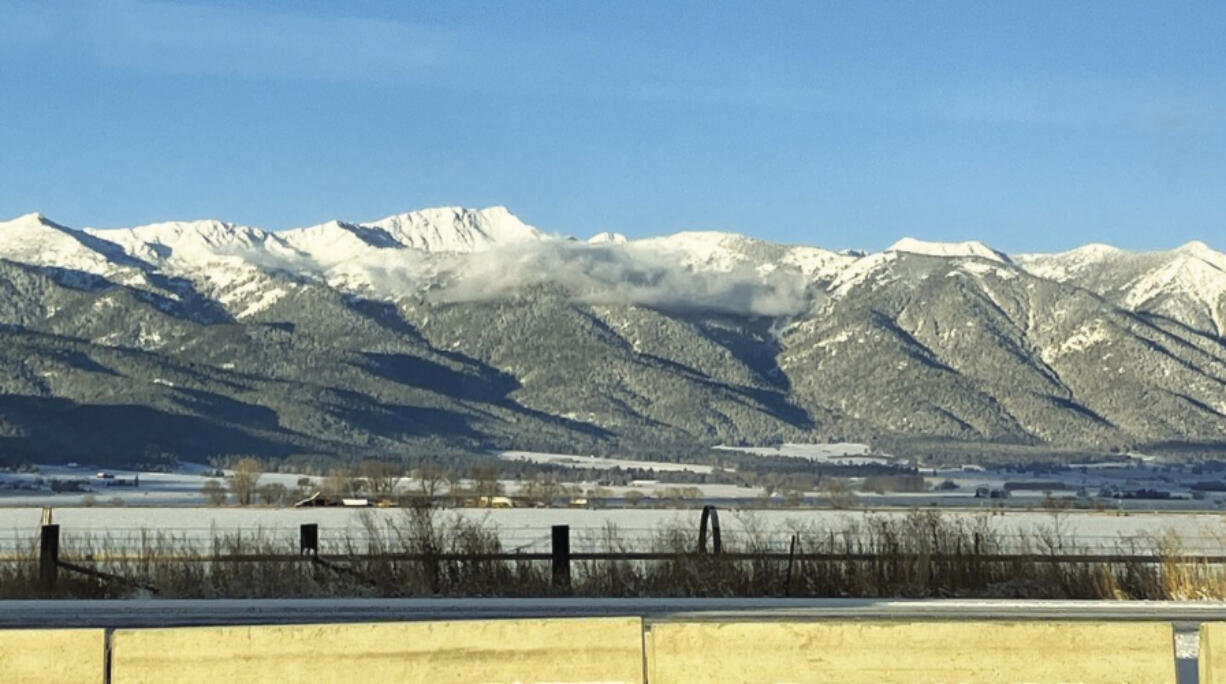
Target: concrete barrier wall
[1211,660]
[564,650]
[610,650]
[64,656]
[911,653]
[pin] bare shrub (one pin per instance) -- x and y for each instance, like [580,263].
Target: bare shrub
[214,492]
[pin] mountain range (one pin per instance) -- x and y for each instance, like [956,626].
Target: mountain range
[457,330]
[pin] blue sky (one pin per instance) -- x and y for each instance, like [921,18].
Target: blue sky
[1029,125]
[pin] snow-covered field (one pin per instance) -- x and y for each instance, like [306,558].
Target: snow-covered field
[600,463]
[172,503]
[841,453]
[155,489]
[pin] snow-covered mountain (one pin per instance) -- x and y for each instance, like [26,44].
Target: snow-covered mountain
[1186,284]
[337,241]
[453,229]
[464,328]
[728,252]
[36,240]
[948,249]
[193,243]
[406,254]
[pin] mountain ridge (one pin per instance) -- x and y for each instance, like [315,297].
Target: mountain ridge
[497,225]
[456,330]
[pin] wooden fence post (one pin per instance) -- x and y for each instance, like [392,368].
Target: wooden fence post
[308,540]
[48,559]
[709,520]
[977,561]
[561,558]
[791,560]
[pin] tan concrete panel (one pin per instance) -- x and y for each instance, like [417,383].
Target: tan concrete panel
[1211,660]
[565,650]
[63,656]
[911,653]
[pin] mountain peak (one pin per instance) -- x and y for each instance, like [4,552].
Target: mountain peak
[972,248]
[338,241]
[1196,248]
[32,217]
[38,241]
[456,229]
[607,238]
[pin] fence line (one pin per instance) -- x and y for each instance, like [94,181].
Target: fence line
[561,556]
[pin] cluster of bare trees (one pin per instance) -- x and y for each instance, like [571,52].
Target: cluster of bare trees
[242,483]
[542,489]
[380,480]
[669,496]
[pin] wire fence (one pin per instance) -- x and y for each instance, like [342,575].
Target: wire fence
[923,554]
[520,539]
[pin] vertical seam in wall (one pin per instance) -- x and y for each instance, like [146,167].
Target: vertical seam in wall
[107,634]
[1175,651]
[643,636]
[1202,654]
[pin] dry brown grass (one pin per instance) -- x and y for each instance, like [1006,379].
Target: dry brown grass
[923,554]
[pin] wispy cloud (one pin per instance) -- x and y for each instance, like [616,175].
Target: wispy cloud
[578,60]
[191,39]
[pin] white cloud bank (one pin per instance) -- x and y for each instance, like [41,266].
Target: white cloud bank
[622,274]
